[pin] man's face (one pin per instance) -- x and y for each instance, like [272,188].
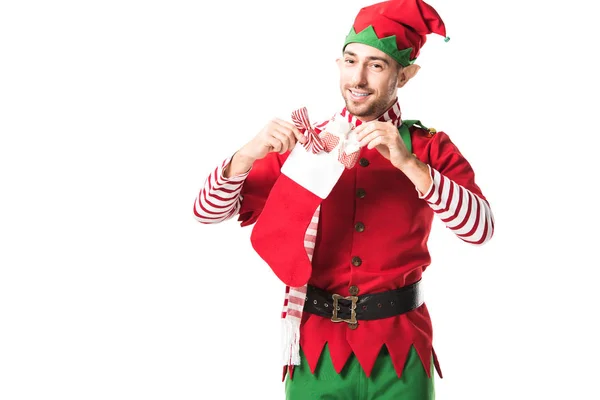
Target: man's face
[368,80]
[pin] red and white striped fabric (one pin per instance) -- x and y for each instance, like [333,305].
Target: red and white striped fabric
[325,141]
[300,119]
[293,305]
[466,214]
[220,198]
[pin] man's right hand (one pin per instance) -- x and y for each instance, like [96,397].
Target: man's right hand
[277,136]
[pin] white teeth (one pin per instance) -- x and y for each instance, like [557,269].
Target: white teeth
[359,94]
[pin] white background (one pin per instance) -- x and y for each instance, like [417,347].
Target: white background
[113,113]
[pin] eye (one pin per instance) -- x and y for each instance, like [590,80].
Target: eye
[377,66]
[349,61]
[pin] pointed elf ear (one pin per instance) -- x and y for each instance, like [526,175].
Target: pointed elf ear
[407,73]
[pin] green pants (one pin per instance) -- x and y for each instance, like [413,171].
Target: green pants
[353,384]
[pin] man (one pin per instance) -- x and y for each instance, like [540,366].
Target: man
[349,237]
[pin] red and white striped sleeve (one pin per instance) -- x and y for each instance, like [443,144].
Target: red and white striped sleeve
[220,198]
[466,214]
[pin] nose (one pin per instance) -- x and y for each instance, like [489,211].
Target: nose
[359,76]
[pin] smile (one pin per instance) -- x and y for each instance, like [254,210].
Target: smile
[358,95]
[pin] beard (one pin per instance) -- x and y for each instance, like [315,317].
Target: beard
[375,107]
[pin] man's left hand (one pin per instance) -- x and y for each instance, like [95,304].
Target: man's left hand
[384,137]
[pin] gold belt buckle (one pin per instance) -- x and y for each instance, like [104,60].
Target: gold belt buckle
[352,319]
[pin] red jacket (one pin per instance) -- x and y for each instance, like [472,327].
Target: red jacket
[392,247]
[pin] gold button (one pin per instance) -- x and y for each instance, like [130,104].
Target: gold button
[359,227]
[361,193]
[353,326]
[353,290]
[356,261]
[364,162]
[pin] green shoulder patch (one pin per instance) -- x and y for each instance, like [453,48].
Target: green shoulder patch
[418,124]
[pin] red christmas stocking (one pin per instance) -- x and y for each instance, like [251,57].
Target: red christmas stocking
[278,235]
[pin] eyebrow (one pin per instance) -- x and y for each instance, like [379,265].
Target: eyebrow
[370,58]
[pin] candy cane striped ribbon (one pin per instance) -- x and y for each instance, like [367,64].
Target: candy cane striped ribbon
[326,142]
[300,119]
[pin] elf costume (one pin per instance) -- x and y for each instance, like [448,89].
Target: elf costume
[346,232]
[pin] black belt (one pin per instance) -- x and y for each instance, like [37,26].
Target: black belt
[365,307]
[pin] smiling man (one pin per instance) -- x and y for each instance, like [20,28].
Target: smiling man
[370,79]
[343,219]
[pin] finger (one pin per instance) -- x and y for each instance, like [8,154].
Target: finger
[375,142]
[369,137]
[292,128]
[359,129]
[365,129]
[274,143]
[289,133]
[283,139]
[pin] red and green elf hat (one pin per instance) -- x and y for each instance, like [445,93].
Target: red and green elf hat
[396,27]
